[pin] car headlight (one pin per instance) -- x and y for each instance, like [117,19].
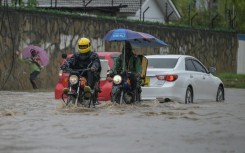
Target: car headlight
[117,79]
[73,79]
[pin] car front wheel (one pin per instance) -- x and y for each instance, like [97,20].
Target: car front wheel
[220,94]
[189,95]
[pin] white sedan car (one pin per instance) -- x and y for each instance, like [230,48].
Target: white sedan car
[181,78]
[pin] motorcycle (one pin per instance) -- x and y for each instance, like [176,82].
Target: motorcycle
[78,91]
[122,91]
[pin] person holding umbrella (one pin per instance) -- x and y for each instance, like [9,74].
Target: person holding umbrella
[132,63]
[35,66]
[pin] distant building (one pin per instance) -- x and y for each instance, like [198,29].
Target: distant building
[146,10]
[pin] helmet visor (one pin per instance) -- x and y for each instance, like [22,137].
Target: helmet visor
[83,46]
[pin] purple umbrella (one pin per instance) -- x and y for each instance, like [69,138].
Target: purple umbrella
[43,55]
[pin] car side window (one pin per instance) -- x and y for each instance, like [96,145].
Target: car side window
[189,66]
[199,67]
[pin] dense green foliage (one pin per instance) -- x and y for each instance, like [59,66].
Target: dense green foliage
[224,14]
[21,3]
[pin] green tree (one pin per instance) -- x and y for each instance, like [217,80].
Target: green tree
[227,14]
[32,3]
[240,15]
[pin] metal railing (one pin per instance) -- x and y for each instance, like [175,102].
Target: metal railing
[54,3]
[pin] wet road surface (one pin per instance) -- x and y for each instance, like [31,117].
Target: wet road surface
[34,122]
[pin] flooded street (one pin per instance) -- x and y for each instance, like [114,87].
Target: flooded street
[34,122]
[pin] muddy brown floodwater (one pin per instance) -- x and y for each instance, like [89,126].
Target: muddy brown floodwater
[34,122]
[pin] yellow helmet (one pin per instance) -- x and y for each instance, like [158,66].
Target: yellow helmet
[84,45]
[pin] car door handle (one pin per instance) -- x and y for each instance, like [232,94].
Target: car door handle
[203,77]
[191,76]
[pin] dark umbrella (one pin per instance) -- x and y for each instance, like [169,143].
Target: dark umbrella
[138,39]
[147,40]
[43,55]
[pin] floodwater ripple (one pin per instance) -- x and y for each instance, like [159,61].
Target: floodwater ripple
[34,122]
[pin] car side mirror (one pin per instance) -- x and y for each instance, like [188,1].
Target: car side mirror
[64,55]
[212,70]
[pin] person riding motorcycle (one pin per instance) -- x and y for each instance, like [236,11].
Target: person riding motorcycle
[131,64]
[84,58]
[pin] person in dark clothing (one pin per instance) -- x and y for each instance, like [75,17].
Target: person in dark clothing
[131,63]
[83,59]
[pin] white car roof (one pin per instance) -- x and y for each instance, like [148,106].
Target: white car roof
[179,65]
[167,56]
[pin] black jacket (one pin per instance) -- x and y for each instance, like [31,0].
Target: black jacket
[83,61]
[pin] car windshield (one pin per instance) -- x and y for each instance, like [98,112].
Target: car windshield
[114,57]
[102,57]
[162,62]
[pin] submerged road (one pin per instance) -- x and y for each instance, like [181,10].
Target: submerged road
[34,122]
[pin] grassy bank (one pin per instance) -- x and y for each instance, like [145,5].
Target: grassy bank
[232,80]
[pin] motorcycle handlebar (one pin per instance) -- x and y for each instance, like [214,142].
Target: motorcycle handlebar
[80,71]
[128,73]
